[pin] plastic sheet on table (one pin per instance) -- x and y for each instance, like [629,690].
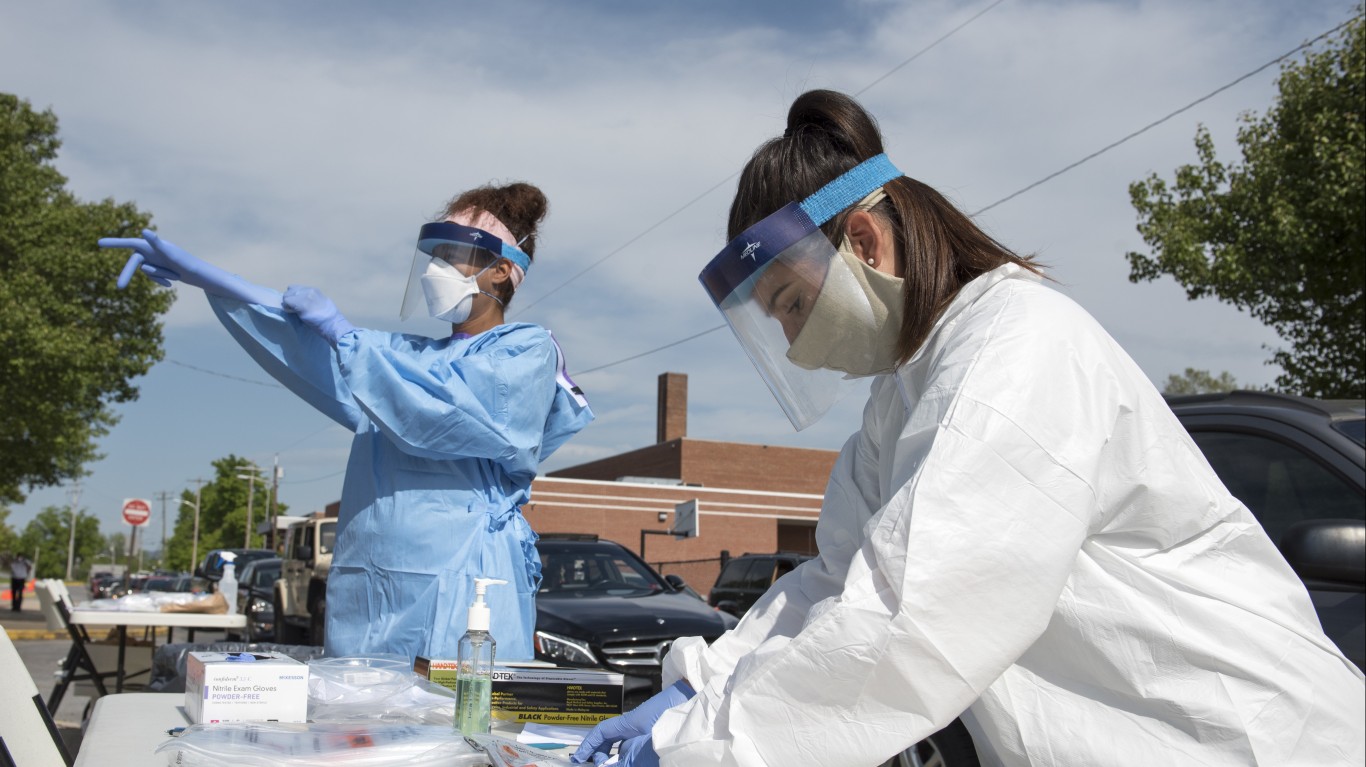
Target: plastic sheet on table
[326,744]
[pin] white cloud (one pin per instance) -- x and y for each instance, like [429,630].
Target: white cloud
[295,146]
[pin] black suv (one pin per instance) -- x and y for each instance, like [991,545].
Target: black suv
[1300,465]
[601,606]
[745,578]
[211,569]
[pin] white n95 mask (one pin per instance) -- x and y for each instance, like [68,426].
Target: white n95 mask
[450,292]
[445,245]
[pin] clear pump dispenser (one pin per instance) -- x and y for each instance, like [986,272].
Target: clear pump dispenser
[474,658]
[227,585]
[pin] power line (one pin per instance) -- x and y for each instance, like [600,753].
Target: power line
[1158,122]
[727,179]
[918,53]
[226,375]
[652,351]
[1047,178]
[315,479]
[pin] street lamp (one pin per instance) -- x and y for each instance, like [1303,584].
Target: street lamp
[194,547]
[251,491]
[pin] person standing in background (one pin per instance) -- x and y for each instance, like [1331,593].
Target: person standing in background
[19,571]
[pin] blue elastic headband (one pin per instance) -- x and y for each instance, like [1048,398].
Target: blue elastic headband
[748,253]
[445,232]
[856,183]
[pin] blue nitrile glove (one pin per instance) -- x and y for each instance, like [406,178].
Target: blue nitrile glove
[633,724]
[636,752]
[317,311]
[164,263]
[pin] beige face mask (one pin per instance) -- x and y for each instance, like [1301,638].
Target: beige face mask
[843,335]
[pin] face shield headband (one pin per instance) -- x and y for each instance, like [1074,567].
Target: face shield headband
[765,281]
[448,244]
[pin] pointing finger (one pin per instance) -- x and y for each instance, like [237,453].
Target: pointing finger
[125,276]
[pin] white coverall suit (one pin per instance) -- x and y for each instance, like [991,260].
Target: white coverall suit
[1023,529]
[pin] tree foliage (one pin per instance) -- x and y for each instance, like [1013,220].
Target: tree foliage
[70,341]
[222,513]
[1198,382]
[49,534]
[9,540]
[1280,235]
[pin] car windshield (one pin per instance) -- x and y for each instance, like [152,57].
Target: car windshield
[1356,430]
[595,571]
[265,575]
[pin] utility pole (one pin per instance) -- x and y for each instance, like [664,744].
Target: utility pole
[275,476]
[71,541]
[164,496]
[194,547]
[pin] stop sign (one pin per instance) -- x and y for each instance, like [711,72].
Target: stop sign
[136,511]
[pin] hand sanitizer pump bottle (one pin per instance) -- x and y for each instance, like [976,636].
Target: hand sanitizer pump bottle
[474,659]
[227,585]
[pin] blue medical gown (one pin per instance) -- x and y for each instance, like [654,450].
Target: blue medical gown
[448,435]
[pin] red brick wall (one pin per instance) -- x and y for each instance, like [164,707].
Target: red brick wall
[662,460]
[737,521]
[756,467]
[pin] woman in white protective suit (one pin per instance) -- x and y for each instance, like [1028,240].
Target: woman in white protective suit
[1021,533]
[448,431]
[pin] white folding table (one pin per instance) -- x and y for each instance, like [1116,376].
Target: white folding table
[123,619]
[126,729]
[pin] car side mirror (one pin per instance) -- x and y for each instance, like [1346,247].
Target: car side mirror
[303,552]
[675,581]
[1327,550]
[728,606]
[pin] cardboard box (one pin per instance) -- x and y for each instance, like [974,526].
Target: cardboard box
[226,687]
[540,692]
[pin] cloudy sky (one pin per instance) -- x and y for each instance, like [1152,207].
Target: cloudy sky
[307,142]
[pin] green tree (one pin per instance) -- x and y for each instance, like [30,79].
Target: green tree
[222,514]
[49,534]
[1198,382]
[70,341]
[9,540]
[1282,234]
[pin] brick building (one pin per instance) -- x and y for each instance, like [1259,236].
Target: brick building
[750,497]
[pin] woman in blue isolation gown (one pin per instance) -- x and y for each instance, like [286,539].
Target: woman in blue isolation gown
[448,432]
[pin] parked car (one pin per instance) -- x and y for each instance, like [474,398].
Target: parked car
[104,585]
[601,606]
[173,583]
[255,590]
[1299,464]
[745,578]
[299,597]
[211,569]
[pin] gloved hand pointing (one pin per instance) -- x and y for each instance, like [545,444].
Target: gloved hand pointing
[164,262]
[317,311]
[633,727]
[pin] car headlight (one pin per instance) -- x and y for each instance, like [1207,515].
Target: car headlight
[259,605]
[554,647]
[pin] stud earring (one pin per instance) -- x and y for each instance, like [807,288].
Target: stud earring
[870,261]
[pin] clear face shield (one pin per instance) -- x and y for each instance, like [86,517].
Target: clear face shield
[446,264]
[800,308]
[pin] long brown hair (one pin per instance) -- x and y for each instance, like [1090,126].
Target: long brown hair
[938,246]
[519,205]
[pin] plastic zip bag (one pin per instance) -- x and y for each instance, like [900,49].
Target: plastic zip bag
[326,744]
[503,752]
[381,687]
